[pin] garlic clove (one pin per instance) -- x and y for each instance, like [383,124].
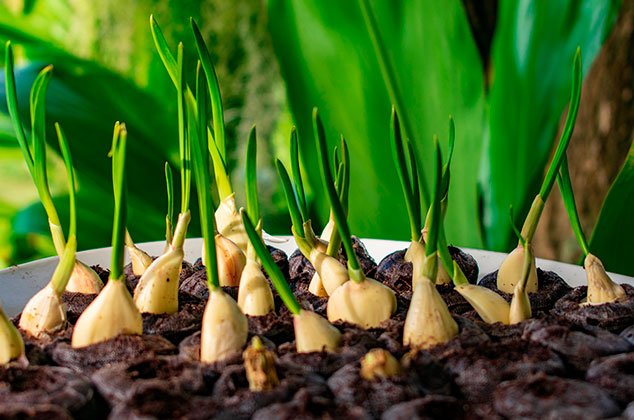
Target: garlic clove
[11,343]
[254,295]
[259,366]
[224,328]
[415,252]
[44,312]
[510,272]
[112,313]
[520,309]
[84,280]
[316,287]
[331,272]
[601,288]
[229,223]
[231,261]
[140,260]
[489,305]
[314,333]
[428,322]
[157,290]
[366,303]
[379,363]
[326,234]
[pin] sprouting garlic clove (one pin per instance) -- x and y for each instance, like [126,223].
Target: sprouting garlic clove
[140,260]
[229,223]
[224,328]
[326,234]
[255,297]
[157,290]
[379,363]
[601,288]
[314,333]
[44,312]
[231,261]
[259,366]
[11,343]
[84,280]
[489,305]
[110,314]
[366,303]
[415,252]
[428,322]
[331,272]
[442,277]
[520,309]
[316,287]
[510,272]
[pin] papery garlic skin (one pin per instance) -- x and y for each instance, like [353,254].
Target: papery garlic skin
[44,312]
[331,272]
[316,287]
[224,328]
[366,303]
[229,222]
[489,305]
[84,280]
[140,260]
[510,272]
[428,322]
[314,333]
[112,313]
[11,343]
[231,261]
[601,288]
[255,297]
[157,290]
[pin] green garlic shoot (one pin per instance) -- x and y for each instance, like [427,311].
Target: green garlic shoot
[169,217]
[510,271]
[429,322]
[601,288]
[83,278]
[312,332]
[113,311]
[157,289]
[362,301]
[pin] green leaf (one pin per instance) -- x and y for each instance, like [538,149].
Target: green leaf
[328,60]
[611,239]
[533,49]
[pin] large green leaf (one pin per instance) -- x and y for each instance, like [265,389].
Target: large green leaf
[612,236]
[533,48]
[327,60]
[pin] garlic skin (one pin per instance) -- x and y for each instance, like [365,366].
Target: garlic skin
[366,303]
[601,288]
[255,297]
[112,313]
[428,322]
[489,305]
[44,312]
[84,280]
[224,328]
[314,333]
[229,223]
[11,343]
[510,272]
[316,287]
[231,261]
[326,234]
[157,290]
[520,309]
[140,260]
[331,272]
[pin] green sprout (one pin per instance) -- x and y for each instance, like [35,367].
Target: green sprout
[118,154]
[169,217]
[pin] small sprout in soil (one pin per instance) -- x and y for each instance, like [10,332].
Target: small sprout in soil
[254,295]
[139,258]
[520,309]
[259,365]
[83,279]
[428,320]
[510,271]
[112,312]
[362,301]
[224,328]
[601,288]
[157,289]
[312,332]
[379,363]
[11,343]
